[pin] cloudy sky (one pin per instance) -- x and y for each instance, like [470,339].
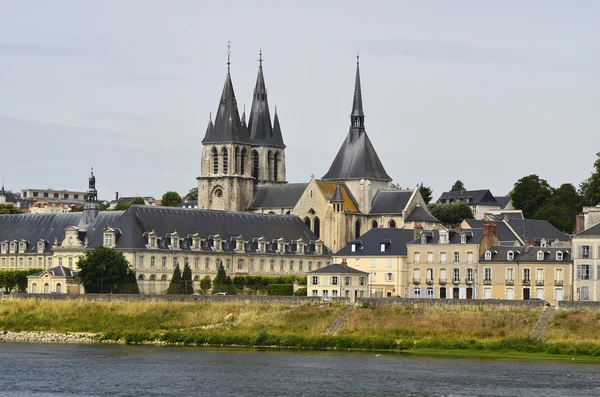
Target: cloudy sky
[482,91]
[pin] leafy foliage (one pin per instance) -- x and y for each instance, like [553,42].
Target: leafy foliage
[590,188]
[9,209]
[187,284]
[301,292]
[458,186]
[77,208]
[192,194]
[106,270]
[15,279]
[175,284]
[530,194]
[451,214]
[561,208]
[281,289]
[426,193]
[171,199]
[222,282]
[206,284]
[260,284]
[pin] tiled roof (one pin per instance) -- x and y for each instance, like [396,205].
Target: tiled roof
[473,197]
[369,244]
[532,230]
[277,195]
[420,214]
[390,201]
[336,268]
[328,189]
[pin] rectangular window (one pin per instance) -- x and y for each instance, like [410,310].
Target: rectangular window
[430,294]
[206,264]
[141,261]
[272,265]
[281,265]
[430,257]
[240,264]
[539,276]
[585,251]
[352,247]
[108,240]
[357,262]
[334,280]
[196,263]
[382,247]
[584,272]
[417,257]
[227,264]
[487,274]
[362,281]
[457,257]
[334,293]
[373,276]
[60,261]
[300,265]
[315,280]
[175,262]
[389,262]
[510,275]
[315,292]
[262,265]
[347,281]
[469,257]
[558,275]
[470,275]
[389,277]
[416,292]
[456,276]
[417,275]
[526,275]
[251,264]
[373,262]
[443,257]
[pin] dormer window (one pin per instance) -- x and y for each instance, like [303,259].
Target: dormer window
[382,247]
[152,242]
[175,240]
[22,246]
[540,255]
[353,247]
[463,239]
[543,243]
[41,247]
[488,256]
[281,246]
[443,237]
[559,255]
[4,248]
[300,245]
[13,247]
[217,243]
[261,245]
[510,255]
[196,242]
[239,244]
[423,239]
[108,239]
[319,247]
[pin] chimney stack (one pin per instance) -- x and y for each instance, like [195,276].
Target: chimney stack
[579,223]
[418,230]
[117,196]
[344,263]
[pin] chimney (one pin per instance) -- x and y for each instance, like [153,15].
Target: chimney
[418,230]
[458,229]
[579,223]
[505,216]
[344,263]
[117,196]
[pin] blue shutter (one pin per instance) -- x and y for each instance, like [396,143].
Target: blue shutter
[411,293]
[435,293]
[423,292]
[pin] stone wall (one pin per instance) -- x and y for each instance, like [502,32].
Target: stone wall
[448,302]
[579,305]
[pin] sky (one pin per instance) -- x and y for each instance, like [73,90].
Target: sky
[482,91]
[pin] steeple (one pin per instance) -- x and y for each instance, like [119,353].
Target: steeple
[2,191]
[277,128]
[92,194]
[357,117]
[227,126]
[244,118]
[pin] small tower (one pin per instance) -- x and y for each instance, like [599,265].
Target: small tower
[91,208]
[338,220]
[2,195]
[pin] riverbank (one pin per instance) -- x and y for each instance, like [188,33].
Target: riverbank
[448,331]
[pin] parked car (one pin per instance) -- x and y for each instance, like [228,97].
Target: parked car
[221,293]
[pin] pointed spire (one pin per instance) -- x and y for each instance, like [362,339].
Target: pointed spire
[2,191]
[244,119]
[260,128]
[358,116]
[228,57]
[337,196]
[277,136]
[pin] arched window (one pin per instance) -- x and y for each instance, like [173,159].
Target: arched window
[270,164]
[392,224]
[510,255]
[163,277]
[225,155]
[215,160]
[58,288]
[307,222]
[488,256]
[540,255]
[255,164]
[276,161]
[34,288]
[235,166]
[243,157]
[141,277]
[357,229]
[374,225]
[46,288]
[152,277]
[317,227]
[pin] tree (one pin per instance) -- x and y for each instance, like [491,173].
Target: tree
[9,209]
[206,284]
[458,186]
[426,193]
[590,188]
[175,284]
[451,214]
[106,270]
[187,285]
[171,199]
[561,208]
[192,194]
[125,206]
[138,200]
[530,193]
[77,208]
[220,281]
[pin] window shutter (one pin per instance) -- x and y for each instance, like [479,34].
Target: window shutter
[580,250]
[579,272]
[591,251]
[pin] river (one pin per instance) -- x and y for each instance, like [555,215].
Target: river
[49,370]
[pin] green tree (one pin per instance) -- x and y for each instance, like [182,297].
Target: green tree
[458,186]
[561,208]
[125,206]
[106,270]
[230,287]
[187,284]
[206,284]
[77,208]
[104,206]
[590,188]
[530,194]
[9,209]
[171,199]
[192,194]
[426,193]
[451,214]
[175,284]
[220,281]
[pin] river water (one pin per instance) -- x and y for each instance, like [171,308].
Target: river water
[47,370]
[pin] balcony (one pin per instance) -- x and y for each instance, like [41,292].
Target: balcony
[429,281]
[469,281]
[539,282]
[526,281]
[558,283]
[443,281]
[510,281]
[416,280]
[456,281]
[487,282]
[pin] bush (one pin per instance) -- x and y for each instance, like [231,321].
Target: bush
[281,289]
[301,292]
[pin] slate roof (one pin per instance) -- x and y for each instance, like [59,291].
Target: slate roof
[532,230]
[420,214]
[499,254]
[260,129]
[11,198]
[590,231]
[329,188]
[505,235]
[503,200]
[58,271]
[390,201]
[474,236]
[504,215]
[473,197]
[336,268]
[369,244]
[277,195]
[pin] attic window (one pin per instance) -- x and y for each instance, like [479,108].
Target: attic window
[559,256]
[540,255]
[353,247]
[175,241]
[423,239]
[318,248]
[543,243]
[108,240]
[152,242]
[510,255]
[13,247]
[41,246]
[463,239]
[443,237]
[22,247]
[488,256]
[382,247]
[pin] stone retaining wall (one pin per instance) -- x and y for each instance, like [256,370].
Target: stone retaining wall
[579,305]
[448,302]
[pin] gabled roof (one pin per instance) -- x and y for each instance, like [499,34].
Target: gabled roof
[336,268]
[369,244]
[505,235]
[473,197]
[58,271]
[503,200]
[277,195]
[390,201]
[420,214]
[530,229]
[329,188]
[590,231]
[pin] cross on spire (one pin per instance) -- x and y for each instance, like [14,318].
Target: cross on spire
[228,56]
[357,58]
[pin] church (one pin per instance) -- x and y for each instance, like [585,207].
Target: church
[243,169]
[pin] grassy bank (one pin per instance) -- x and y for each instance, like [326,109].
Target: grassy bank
[453,331]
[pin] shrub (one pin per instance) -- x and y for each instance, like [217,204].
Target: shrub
[281,289]
[301,292]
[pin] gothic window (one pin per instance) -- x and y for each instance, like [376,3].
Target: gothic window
[317,227]
[374,225]
[357,229]
[236,161]
[243,161]
[270,163]
[307,222]
[215,160]
[225,155]
[392,224]
[255,164]
[276,161]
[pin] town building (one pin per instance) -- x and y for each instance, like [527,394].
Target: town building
[515,231]
[57,280]
[35,194]
[480,201]
[586,263]
[338,280]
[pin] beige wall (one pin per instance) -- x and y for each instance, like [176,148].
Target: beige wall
[582,286]
[47,284]
[333,285]
[387,275]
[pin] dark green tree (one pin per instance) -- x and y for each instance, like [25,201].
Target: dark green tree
[458,186]
[426,193]
[77,208]
[192,194]
[590,188]
[220,281]
[206,284]
[451,214]
[175,284]
[187,284]
[561,208]
[9,209]
[106,270]
[231,290]
[125,206]
[530,194]
[171,199]
[104,206]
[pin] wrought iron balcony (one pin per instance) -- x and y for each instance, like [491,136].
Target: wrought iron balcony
[443,281]
[510,281]
[526,281]
[456,281]
[558,282]
[416,280]
[469,281]
[429,281]
[539,282]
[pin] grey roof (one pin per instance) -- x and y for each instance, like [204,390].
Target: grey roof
[390,201]
[336,268]
[58,271]
[504,233]
[474,236]
[499,254]
[259,122]
[420,214]
[277,136]
[475,197]
[532,230]
[357,105]
[369,244]
[337,196]
[503,200]
[11,198]
[227,126]
[277,195]
[590,231]
[504,215]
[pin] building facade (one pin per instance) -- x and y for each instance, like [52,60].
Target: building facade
[338,280]
[586,263]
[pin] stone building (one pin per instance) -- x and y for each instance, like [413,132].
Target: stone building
[338,280]
[243,169]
